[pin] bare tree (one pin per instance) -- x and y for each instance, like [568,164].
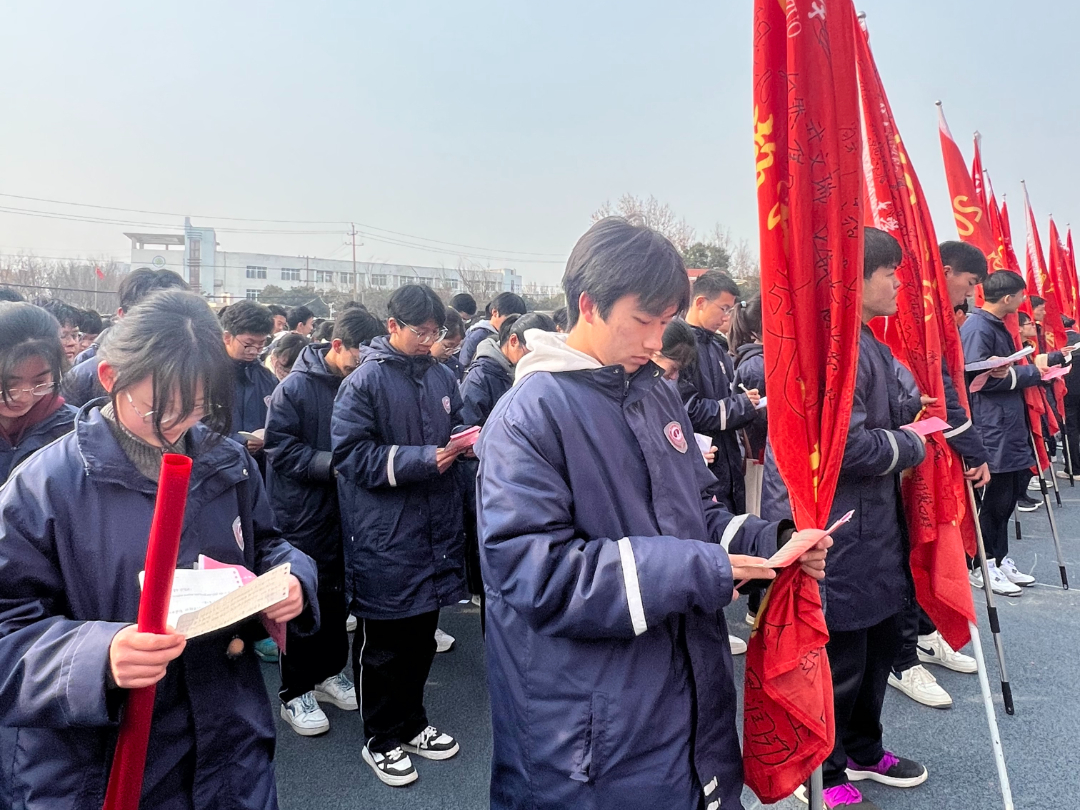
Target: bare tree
[743,261]
[653,214]
[83,283]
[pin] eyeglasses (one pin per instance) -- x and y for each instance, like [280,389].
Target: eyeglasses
[250,347]
[168,418]
[425,338]
[69,334]
[38,391]
[728,309]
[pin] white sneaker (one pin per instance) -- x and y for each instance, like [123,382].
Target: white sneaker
[432,744]
[933,649]
[393,768]
[999,583]
[350,624]
[1033,484]
[444,642]
[305,716]
[738,646]
[750,619]
[475,599]
[975,578]
[337,690]
[921,686]
[1064,474]
[1014,575]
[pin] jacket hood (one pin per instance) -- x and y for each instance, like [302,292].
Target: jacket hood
[489,347]
[748,350]
[312,360]
[483,324]
[548,352]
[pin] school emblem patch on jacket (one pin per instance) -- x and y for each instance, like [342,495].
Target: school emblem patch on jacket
[675,435]
[446,404]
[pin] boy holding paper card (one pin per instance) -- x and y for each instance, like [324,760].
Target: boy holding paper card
[868,582]
[74,522]
[606,561]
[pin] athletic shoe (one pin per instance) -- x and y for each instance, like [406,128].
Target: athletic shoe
[1026,504]
[845,795]
[738,646]
[393,768]
[999,583]
[1014,575]
[351,624]
[891,770]
[475,599]
[444,642]
[267,650]
[975,578]
[305,716]
[933,649]
[922,687]
[1033,485]
[750,619]
[432,744]
[337,690]
[1065,474]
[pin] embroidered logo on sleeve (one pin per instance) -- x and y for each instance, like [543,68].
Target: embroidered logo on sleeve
[446,404]
[237,533]
[675,435]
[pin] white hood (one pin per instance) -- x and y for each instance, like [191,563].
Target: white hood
[548,352]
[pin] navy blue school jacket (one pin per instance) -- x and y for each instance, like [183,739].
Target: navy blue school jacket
[866,580]
[481,330]
[750,372]
[254,385]
[487,379]
[300,473]
[401,519]
[605,568]
[998,410]
[81,384]
[719,411]
[74,522]
[37,436]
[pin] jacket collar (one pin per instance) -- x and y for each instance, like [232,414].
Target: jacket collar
[381,351]
[312,361]
[489,347]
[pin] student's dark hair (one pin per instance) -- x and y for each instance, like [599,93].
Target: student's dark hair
[464,303]
[1036,301]
[416,304]
[28,331]
[962,307]
[173,338]
[324,331]
[518,324]
[356,328]
[298,315]
[614,259]
[8,294]
[65,314]
[138,284]
[353,305]
[1067,322]
[508,303]
[964,258]
[1002,283]
[745,323]
[680,344]
[278,310]
[1023,318]
[559,317]
[455,326]
[247,318]
[714,283]
[90,322]
[880,250]
[288,348]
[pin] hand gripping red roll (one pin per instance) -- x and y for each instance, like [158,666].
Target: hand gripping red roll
[129,761]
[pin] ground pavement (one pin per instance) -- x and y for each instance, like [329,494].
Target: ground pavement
[1042,646]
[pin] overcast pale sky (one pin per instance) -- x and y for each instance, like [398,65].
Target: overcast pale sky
[496,124]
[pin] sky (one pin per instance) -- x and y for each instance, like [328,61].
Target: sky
[482,129]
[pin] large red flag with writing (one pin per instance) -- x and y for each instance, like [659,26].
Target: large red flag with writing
[922,334]
[996,259]
[807,137]
[1059,273]
[1044,284]
[971,221]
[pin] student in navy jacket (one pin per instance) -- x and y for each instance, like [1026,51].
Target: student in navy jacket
[605,560]
[32,414]
[716,408]
[1000,416]
[446,350]
[73,526]
[401,520]
[501,307]
[869,581]
[80,383]
[247,325]
[303,493]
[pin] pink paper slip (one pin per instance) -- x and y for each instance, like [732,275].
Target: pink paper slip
[275,629]
[1055,372]
[792,550]
[465,439]
[924,427]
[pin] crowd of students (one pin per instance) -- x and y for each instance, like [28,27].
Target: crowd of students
[623,482]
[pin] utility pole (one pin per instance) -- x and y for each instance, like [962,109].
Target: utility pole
[355,278]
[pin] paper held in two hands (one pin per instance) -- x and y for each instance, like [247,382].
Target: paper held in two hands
[214,596]
[465,439]
[795,548]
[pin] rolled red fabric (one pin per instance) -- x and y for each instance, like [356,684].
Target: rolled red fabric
[129,761]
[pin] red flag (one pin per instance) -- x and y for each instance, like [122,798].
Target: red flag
[99,273]
[1045,285]
[1059,273]
[995,259]
[971,221]
[923,331]
[807,137]
[1070,271]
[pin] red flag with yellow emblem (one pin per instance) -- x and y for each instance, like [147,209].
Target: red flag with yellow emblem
[971,221]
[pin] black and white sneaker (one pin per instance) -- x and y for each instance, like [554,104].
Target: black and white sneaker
[1026,504]
[891,770]
[432,744]
[393,768]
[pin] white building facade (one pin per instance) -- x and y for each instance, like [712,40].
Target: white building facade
[225,276]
